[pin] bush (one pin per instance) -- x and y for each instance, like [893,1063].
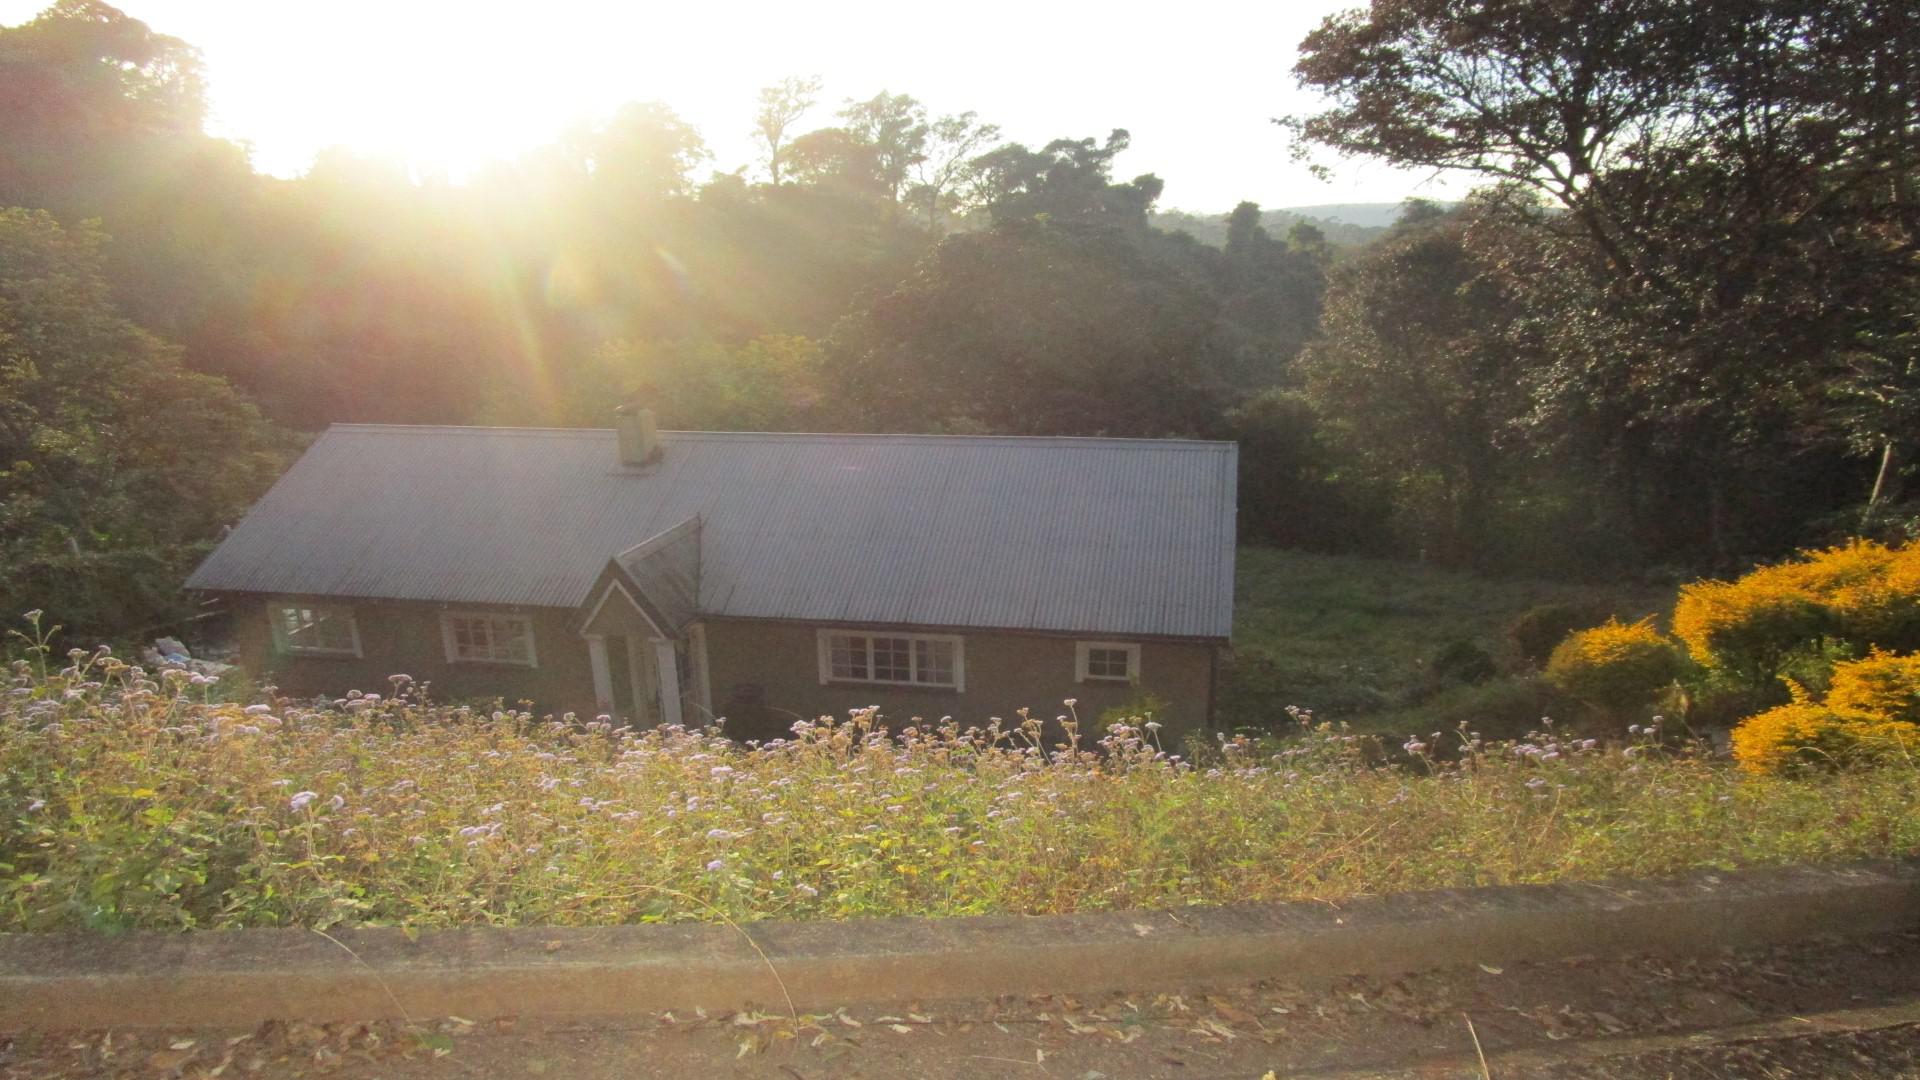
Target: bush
[1805,735]
[1463,662]
[1749,629]
[1615,667]
[1883,685]
[1839,600]
[1538,630]
[1497,709]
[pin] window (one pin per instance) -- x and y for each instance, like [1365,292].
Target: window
[482,638]
[316,630]
[1106,661]
[902,659]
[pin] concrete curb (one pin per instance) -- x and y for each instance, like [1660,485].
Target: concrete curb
[241,977]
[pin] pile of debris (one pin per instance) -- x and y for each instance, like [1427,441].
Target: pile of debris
[168,652]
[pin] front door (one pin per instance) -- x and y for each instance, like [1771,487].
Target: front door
[628,680]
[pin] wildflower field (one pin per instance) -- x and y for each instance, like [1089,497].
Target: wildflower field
[129,800]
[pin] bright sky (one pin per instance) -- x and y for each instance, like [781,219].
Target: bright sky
[449,85]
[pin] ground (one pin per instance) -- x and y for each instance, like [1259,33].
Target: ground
[1354,638]
[1823,1009]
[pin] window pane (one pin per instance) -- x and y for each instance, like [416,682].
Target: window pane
[934,660]
[1108,664]
[892,659]
[499,639]
[312,629]
[515,638]
[849,656]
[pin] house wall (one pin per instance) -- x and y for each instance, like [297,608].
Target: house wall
[778,663]
[763,674]
[404,638]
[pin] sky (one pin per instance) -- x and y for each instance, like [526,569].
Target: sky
[447,86]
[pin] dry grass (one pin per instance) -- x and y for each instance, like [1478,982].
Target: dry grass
[131,801]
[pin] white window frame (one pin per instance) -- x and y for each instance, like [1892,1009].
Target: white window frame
[825,638]
[284,642]
[447,619]
[1083,649]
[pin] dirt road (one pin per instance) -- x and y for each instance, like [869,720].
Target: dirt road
[1826,1009]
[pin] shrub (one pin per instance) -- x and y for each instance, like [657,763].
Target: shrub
[1882,685]
[1616,666]
[1538,630]
[1803,735]
[1882,608]
[1837,600]
[1463,662]
[1750,628]
[1505,708]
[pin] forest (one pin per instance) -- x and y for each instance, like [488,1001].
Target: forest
[1674,330]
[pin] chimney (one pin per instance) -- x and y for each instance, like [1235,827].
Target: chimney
[639,435]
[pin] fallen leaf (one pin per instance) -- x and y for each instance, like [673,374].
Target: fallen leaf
[1491,970]
[1238,1016]
[169,1060]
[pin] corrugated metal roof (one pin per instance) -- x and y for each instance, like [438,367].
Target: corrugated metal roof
[667,570]
[1120,536]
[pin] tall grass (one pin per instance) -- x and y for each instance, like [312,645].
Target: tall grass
[131,800]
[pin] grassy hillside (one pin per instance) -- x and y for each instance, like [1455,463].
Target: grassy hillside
[1355,639]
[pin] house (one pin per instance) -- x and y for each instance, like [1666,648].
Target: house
[668,576]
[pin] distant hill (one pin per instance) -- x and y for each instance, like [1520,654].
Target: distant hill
[1373,215]
[1345,224]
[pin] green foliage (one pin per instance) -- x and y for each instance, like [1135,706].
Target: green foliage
[1352,639]
[1727,267]
[1505,707]
[1292,493]
[119,464]
[1032,328]
[1418,385]
[1617,666]
[1463,662]
[1537,631]
[129,802]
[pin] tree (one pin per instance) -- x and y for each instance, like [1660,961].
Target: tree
[837,159]
[894,127]
[1067,180]
[1414,377]
[645,153]
[781,106]
[1035,328]
[1734,182]
[121,466]
[1271,289]
[942,176]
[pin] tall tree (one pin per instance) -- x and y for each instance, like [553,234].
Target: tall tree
[1035,328]
[943,176]
[1067,180]
[1417,380]
[894,126]
[121,466]
[1735,181]
[781,107]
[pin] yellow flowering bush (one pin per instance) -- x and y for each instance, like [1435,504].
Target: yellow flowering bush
[1882,685]
[1616,666]
[1857,594]
[1805,734]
